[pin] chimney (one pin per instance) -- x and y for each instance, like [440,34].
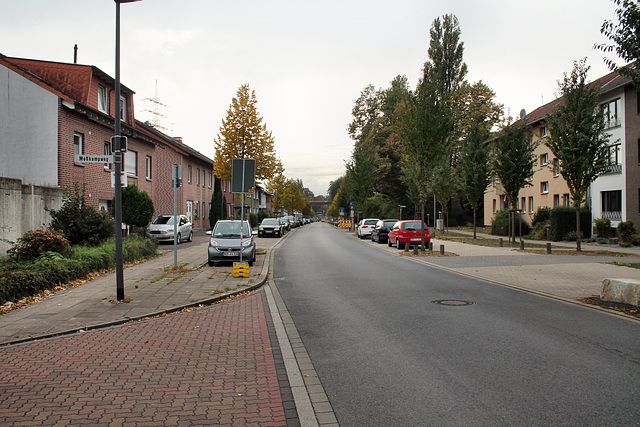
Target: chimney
[75,54]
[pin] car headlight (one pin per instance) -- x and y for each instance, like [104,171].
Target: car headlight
[261,228]
[214,242]
[246,243]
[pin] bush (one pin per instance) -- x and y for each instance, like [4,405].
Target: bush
[253,220]
[21,279]
[626,232]
[137,207]
[603,227]
[572,236]
[262,214]
[81,224]
[500,224]
[539,231]
[562,220]
[35,243]
[541,216]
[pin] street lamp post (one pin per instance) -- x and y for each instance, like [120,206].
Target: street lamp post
[401,206]
[117,161]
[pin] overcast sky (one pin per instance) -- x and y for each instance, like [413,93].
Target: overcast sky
[307,60]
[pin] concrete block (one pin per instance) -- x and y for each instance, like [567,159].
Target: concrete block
[626,291]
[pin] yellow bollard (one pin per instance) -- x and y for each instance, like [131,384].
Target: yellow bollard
[240,269]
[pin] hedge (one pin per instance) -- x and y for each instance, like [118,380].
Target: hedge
[562,220]
[19,280]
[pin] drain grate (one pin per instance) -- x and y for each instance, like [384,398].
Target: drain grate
[452,302]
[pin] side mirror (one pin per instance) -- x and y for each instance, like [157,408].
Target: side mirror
[254,232]
[208,233]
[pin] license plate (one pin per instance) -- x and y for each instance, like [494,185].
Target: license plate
[230,253]
[415,240]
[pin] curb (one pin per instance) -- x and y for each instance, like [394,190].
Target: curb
[202,303]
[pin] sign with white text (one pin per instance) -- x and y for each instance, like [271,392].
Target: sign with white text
[89,158]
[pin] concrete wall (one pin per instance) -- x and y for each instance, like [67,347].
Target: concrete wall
[29,137]
[24,208]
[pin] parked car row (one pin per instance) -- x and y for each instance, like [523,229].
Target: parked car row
[394,232]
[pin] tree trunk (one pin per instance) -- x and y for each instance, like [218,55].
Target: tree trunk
[578,239]
[423,224]
[474,222]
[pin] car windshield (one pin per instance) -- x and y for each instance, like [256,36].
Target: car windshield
[390,223]
[370,222]
[270,222]
[231,229]
[163,219]
[411,226]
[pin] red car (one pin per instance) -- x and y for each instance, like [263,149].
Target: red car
[408,232]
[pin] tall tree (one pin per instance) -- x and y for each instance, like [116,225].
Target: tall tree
[475,167]
[243,135]
[514,159]
[577,136]
[217,210]
[446,69]
[366,111]
[625,36]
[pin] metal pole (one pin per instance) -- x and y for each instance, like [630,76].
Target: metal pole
[117,159]
[242,211]
[175,219]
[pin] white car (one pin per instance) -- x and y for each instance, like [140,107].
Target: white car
[161,228]
[365,227]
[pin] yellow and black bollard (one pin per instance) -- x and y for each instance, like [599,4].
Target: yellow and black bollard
[240,269]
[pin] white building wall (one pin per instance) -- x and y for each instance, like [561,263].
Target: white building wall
[612,181]
[28,131]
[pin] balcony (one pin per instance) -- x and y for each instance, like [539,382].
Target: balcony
[612,215]
[613,169]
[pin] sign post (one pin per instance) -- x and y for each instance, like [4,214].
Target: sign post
[176,181]
[243,176]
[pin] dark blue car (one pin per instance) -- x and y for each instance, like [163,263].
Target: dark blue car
[381,230]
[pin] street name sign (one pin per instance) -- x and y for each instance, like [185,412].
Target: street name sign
[88,158]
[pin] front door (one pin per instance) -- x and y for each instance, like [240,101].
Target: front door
[190,210]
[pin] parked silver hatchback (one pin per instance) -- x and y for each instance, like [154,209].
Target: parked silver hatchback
[228,243]
[161,228]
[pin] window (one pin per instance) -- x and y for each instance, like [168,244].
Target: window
[556,200]
[147,167]
[189,174]
[203,181]
[523,204]
[494,205]
[107,152]
[210,180]
[565,199]
[530,204]
[543,131]
[103,101]
[131,163]
[78,144]
[556,167]
[544,159]
[611,201]
[197,176]
[196,211]
[614,154]
[611,113]
[123,109]
[544,187]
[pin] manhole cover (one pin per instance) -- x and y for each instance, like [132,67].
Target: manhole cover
[452,302]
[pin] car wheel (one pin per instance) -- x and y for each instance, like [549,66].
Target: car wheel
[379,240]
[389,242]
[179,239]
[190,239]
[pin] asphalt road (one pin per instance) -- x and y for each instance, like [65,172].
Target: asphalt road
[388,355]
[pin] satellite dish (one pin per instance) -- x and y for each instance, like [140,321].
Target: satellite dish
[523,114]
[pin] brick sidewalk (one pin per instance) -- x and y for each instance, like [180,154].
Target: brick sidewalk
[211,366]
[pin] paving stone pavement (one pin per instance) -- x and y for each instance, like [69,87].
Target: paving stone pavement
[212,366]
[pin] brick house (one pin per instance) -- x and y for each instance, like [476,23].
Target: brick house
[615,194]
[54,111]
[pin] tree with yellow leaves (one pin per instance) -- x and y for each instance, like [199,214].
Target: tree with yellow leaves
[243,135]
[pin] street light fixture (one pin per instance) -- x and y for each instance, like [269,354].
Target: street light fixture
[117,161]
